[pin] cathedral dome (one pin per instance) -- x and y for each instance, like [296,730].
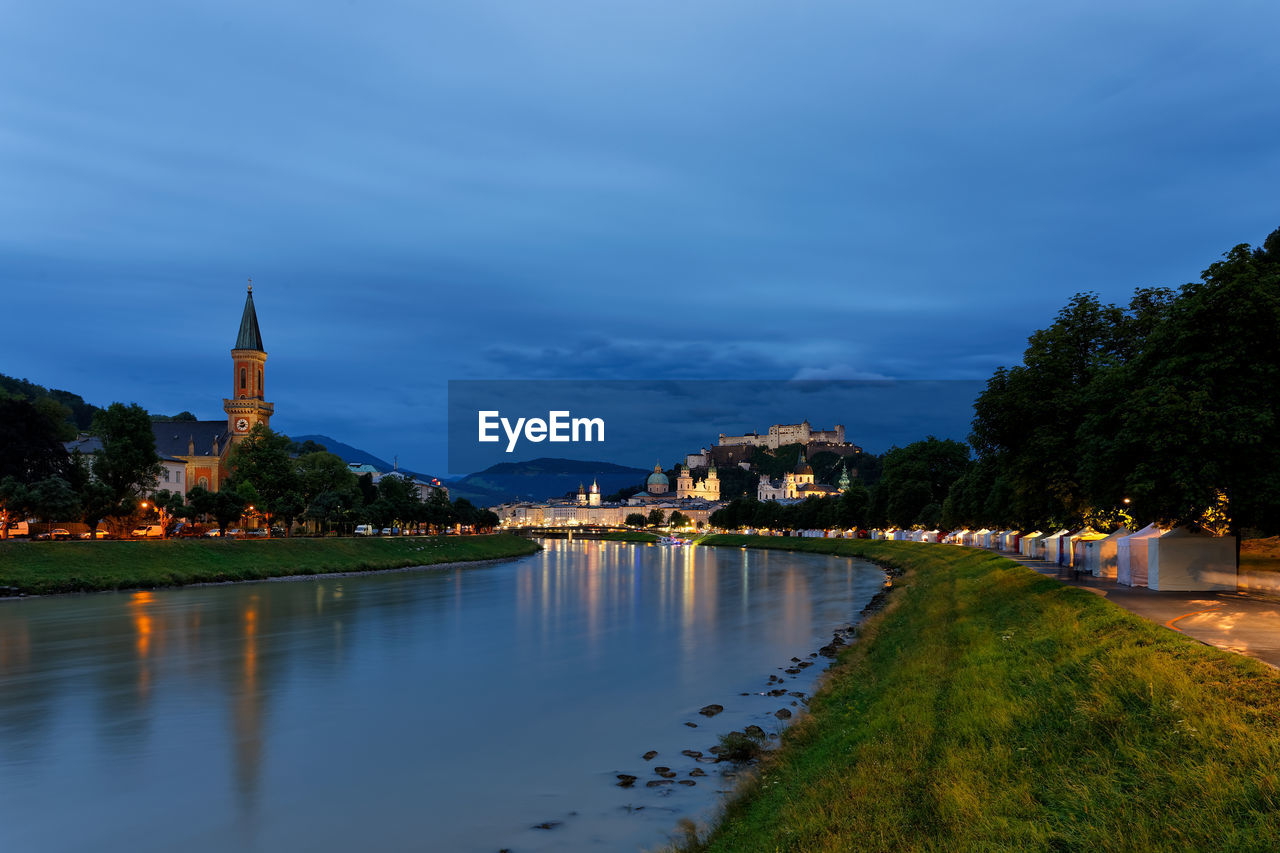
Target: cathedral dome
[657,478]
[802,465]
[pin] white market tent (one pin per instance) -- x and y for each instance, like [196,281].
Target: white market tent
[929,536]
[1076,542]
[1185,560]
[981,537]
[1029,543]
[1050,545]
[1131,556]
[1100,554]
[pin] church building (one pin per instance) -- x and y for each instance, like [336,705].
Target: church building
[196,451]
[798,484]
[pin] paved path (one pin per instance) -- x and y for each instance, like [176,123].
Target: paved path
[1244,622]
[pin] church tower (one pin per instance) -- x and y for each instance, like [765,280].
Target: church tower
[247,405]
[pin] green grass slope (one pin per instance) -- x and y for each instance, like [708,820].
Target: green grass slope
[46,567]
[991,708]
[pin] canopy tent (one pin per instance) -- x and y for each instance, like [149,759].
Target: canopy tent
[1012,541]
[1185,560]
[1100,554]
[980,538]
[1131,556]
[929,536]
[1076,543]
[1029,544]
[1050,545]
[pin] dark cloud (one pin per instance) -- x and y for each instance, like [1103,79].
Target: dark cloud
[601,190]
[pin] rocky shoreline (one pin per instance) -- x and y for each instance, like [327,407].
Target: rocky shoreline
[665,778]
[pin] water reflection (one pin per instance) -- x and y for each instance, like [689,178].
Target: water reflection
[379,711]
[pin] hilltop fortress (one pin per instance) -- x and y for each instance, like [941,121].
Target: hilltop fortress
[783,434]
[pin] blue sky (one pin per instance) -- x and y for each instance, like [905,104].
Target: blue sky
[606,190]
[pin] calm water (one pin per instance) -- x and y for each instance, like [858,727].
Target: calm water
[450,710]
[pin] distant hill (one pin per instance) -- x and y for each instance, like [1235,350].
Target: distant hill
[539,479]
[78,412]
[355,454]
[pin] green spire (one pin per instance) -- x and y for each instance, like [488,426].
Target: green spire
[249,337]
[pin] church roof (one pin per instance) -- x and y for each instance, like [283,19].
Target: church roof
[802,465]
[249,337]
[173,438]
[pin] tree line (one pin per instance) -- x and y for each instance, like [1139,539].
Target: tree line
[270,475]
[1161,410]
[1164,409]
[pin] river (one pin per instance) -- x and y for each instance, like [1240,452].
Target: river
[446,710]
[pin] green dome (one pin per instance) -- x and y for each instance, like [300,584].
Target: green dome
[657,478]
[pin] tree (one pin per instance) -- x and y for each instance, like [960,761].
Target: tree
[287,507]
[368,491]
[225,506]
[261,460]
[53,499]
[1203,423]
[852,505]
[323,472]
[168,505]
[679,519]
[636,519]
[655,517]
[919,475]
[465,512]
[127,464]
[439,512]
[30,446]
[96,503]
[400,497]
[15,503]
[308,447]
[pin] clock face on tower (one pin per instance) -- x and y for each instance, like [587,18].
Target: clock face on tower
[242,424]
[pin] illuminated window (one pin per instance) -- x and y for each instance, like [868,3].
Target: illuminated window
[204,482]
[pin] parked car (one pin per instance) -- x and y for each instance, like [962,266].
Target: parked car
[56,533]
[96,534]
[213,532]
[149,531]
[365,530]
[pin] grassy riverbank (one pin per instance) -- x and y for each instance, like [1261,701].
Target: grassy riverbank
[46,567]
[991,708]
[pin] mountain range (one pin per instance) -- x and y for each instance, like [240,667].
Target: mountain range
[537,479]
